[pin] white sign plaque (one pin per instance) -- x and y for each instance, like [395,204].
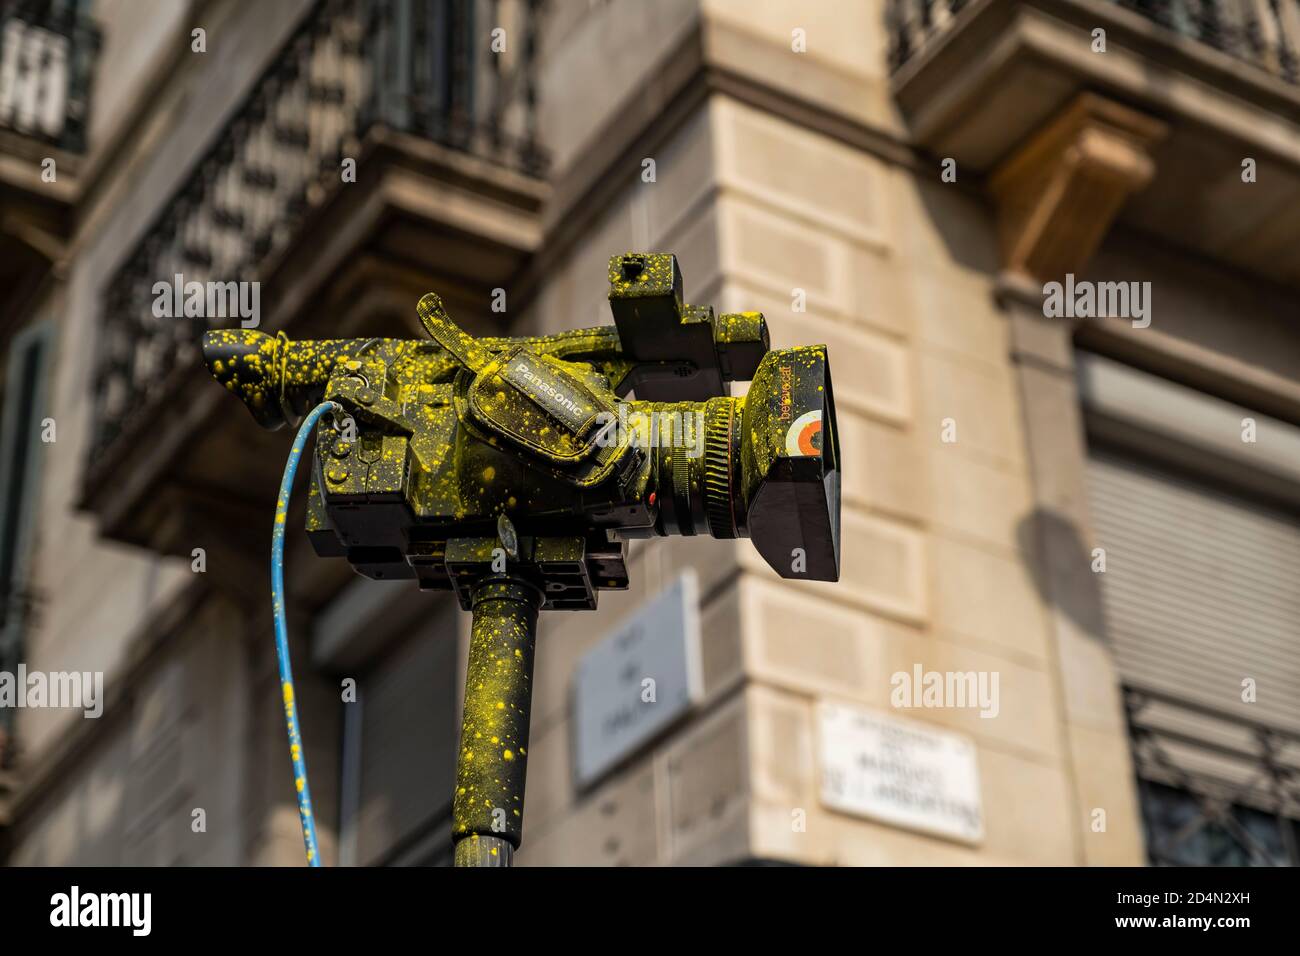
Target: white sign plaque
[899,771]
[637,681]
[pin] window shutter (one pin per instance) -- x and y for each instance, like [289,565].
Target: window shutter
[1202,590]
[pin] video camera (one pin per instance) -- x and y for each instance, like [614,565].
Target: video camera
[455,450]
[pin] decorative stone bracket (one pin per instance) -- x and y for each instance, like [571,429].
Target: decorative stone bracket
[1059,192]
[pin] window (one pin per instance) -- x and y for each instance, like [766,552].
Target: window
[21,415]
[1182,830]
[1202,602]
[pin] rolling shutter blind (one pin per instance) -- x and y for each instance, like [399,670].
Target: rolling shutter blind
[1201,590]
[1201,594]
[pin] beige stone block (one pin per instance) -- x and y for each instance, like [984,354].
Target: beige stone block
[616,825]
[619,823]
[1024,711]
[780,746]
[727,843]
[1089,678]
[881,570]
[1103,778]
[550,789]
[555,307]
[881,466]
[956,315]
[544,845]
[785,819]
[721,649]
[1028,810]
[882,565]
[686,178]
[756,151]
[694,240]
[708,778]
[800,642]
[870,373]
[977,498]
[586,269]
[851,37]
[772,251]
[714,560]
[982,403]
[879,294]
[843,69]
[595,62]
[876,295]
[854,841]
[987,598]
[939,229]
[790,834]
[948,243]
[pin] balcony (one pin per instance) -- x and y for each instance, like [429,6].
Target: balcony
[47,54]
[1262,33]
[48,51]
[447,194]
[974,78]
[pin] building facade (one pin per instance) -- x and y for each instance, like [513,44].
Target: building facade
[1051,246]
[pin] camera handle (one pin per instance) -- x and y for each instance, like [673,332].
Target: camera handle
[488,807]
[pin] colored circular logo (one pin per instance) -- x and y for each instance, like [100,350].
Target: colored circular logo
[804,436]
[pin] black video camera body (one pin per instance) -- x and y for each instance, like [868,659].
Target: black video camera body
[455,455]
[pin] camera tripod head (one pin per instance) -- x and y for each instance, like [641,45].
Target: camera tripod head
[456,454]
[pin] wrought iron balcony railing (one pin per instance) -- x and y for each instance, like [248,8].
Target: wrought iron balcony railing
[425,67]
[1264,33]
[47,57]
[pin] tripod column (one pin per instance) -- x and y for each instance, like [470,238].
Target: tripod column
[488,808]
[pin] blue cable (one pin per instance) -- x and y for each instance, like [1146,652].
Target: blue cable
[282,629]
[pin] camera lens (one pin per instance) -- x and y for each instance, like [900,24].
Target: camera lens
[696,461]
[765,467]
[722,502]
